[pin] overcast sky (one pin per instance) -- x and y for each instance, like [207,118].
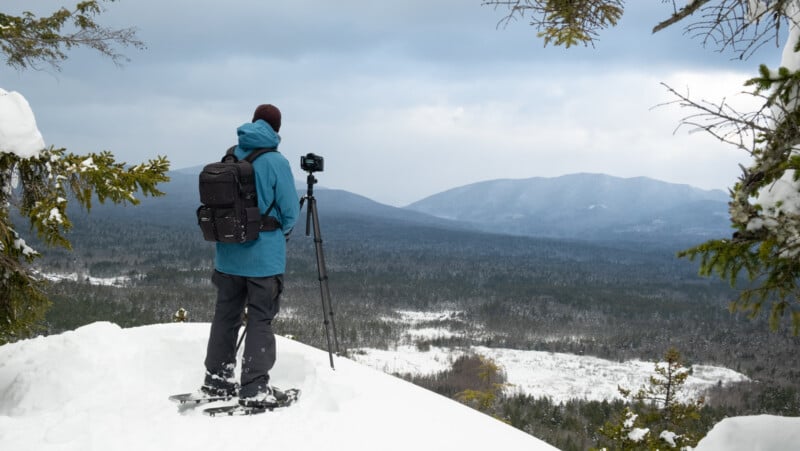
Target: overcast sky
[403,99]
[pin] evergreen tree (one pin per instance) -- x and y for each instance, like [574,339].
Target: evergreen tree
[656,418]
[38,183]
[27,40]
[765,201]
[565,22]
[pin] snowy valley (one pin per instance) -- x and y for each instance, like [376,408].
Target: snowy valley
[558,376]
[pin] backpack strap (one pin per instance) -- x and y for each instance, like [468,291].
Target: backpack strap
[255,153]
[268,223]
[229,155]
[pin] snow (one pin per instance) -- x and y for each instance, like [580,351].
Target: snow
[414,317]
[20,136]
[669,437]
[101,387]
[432,333]
[117,281]
[18,132]
[20,244]
[783,196]
[406,360]
[629,420]
[559,376]
[638,434]
[753,433]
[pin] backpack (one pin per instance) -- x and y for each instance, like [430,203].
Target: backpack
[229,211]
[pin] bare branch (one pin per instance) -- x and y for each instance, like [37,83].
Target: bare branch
[731,25]
[722,121]
[683,13]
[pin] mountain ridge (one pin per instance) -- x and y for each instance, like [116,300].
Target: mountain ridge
[582,205]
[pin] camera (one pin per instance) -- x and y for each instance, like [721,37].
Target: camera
[312,163]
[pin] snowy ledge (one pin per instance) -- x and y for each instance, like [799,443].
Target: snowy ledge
[103,387]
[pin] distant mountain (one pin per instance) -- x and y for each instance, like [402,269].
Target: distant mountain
[182,199]
[580,206]
[590,206]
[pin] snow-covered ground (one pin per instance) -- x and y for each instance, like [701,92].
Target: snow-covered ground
[101,387]
[558,376]
[118,281]
[105,388]
[546,374]
[753,433]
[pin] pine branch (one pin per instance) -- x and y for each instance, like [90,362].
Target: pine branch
[28,40]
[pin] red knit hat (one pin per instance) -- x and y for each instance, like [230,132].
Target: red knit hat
[270,114]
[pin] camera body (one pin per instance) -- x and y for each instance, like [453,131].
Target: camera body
[312,163]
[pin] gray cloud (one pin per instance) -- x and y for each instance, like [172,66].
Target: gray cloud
[402,98]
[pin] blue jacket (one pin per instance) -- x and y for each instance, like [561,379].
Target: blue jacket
[265,256]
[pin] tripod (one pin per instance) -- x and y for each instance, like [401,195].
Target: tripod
[327,311]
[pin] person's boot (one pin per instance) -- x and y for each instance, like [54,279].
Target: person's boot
[216,385]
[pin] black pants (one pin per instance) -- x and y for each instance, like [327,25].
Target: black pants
[261,296]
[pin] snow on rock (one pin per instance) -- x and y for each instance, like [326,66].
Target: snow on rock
[18,132]
[753,433]
[101,387]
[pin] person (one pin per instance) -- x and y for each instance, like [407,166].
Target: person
[250,275]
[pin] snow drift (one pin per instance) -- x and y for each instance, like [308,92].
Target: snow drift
[101,387]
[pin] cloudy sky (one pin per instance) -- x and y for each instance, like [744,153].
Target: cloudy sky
[403,99]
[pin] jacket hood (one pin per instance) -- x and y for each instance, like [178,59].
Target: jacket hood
[257,135]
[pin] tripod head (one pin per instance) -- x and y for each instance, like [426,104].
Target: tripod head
[310,181]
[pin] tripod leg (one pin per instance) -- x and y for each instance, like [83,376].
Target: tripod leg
[241,339]
[308,217]
[325,294]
